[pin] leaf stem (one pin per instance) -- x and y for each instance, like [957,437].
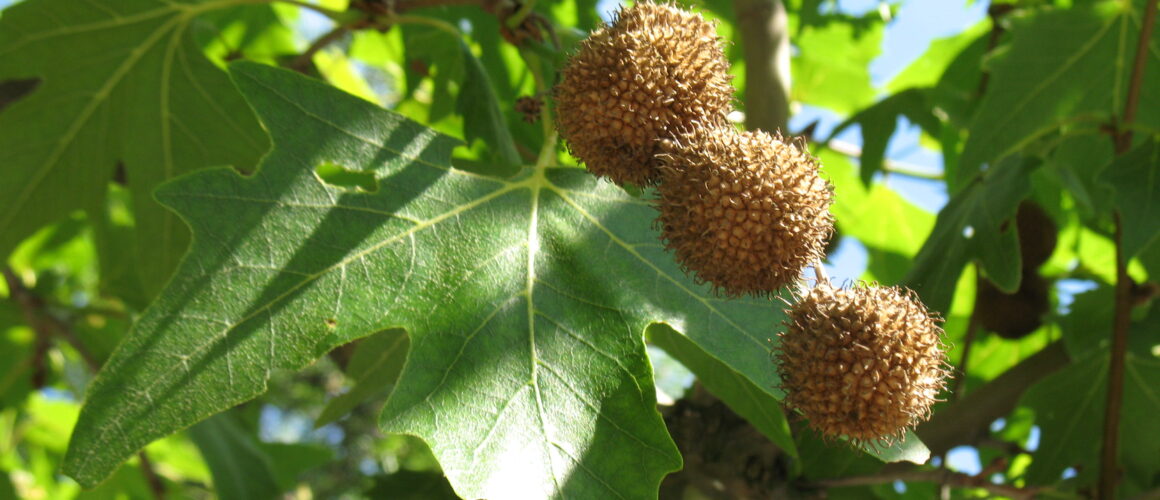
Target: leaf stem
[525,9]
[438,24]
[302,61]
[1109,467]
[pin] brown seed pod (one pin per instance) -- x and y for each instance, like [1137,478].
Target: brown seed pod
[655,70]
[865,362]
[1037,234]
[744,211]
[1013,315]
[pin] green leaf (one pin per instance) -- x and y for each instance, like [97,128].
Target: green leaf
[1068,408]
[1139,433]
[757,406]
[16,350]
[879,121]
[1061,66]
[290,460]
[525,301]
[412,485]
[374,367]
[909,449]
[121,82]
[831,67]
[876,215]
[932,65]
[1087,328]
[975,224]
[482,117]
[241,469]
[1135,177]
[1078,163]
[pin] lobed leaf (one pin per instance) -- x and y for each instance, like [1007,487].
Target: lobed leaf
[975,224]
[525,301]
[1062,66]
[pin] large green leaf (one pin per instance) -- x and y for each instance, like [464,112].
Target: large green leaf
[831,67]
[975,224]
[525,302]
[1135,177]
[1061,66]
[121,83]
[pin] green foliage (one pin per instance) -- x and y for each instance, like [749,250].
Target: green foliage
[95,63]
[433,301]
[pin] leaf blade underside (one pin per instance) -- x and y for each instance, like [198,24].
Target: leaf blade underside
[525,301]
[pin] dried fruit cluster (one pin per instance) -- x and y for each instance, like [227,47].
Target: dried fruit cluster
[644,101]
[864,362]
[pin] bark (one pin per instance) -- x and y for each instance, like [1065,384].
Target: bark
[764,36]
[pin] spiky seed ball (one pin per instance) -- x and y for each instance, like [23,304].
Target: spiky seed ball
[744,211]
[656,69]
[866,362]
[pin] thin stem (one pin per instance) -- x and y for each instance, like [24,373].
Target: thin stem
[522,13]
[889,166]
[1109,468]
[302,62]
[820,273]
[1124,141]
[428,21]
[547,154]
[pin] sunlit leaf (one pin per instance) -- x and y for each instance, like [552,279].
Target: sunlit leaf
[1062,66]
[525,301]
[975,224]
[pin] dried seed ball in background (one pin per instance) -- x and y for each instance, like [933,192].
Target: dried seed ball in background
[863,362]
[655,70]
[744,211]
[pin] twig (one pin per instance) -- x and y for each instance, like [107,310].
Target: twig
[1124,139]
[1109,468]
[888,165]
[302,62]
[968,419]
[955,479]
[996,13]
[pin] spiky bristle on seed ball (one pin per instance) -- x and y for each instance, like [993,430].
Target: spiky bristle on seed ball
[865,362]
[656,69]
[744,211]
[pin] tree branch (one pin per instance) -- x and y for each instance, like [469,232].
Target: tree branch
[966,420]
[1109,468]
[764,30]
[950,478]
